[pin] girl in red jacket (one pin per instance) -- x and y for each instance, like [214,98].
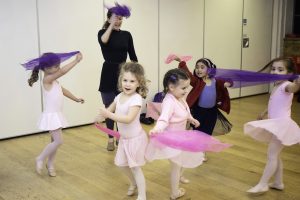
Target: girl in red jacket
[207,96]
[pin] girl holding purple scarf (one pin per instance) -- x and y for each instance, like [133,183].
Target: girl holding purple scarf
[275,125]
[207,96]
[52,119]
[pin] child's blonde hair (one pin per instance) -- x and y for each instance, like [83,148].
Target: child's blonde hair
[138,71]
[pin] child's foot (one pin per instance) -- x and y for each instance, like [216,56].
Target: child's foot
[180,193]
[205,157]
[184,180]
[131,190]
[51,171]
[110,146]
[140,198]
[38,166]
[276,186]
[258,189]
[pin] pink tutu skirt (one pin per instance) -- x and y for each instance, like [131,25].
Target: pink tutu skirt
[285,129]
[186,159]
[131,151]
[52,121]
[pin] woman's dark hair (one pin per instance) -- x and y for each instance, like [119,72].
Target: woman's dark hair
[288,63]
[106,23]
[173,76]
[209,64]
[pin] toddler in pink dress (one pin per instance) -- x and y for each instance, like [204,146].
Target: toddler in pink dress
[279,129]
[125,110]
[174,116]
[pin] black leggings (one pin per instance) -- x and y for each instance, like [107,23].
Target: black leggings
[207,118]
[107,99]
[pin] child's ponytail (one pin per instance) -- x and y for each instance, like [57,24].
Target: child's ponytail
[34,77]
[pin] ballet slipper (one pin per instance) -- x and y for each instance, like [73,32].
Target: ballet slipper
[180,193]
[38,166]
[131,190]
[51,171]
[140,198]
[184,180]
[205,157]
[276,186]
[258,189]
[110,146]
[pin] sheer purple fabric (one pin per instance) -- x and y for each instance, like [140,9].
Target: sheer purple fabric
[242,78]
[121,10]
[48,60]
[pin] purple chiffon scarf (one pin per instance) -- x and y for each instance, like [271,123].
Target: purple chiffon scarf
[48,60]
[121,10]
[242,78]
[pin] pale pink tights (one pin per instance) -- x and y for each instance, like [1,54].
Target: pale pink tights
[50,150]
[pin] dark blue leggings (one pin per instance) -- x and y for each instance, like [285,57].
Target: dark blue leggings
[207,118]
[107,99]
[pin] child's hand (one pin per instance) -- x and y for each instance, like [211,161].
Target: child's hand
[154,131]
[80,100]
[297,81]
[177,58]
[78,57]
[227,84]
[195,122]
[104,112]
[99,119]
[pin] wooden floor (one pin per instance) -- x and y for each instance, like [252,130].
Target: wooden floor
[86,170]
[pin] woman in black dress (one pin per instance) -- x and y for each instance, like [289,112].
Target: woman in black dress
[115,44]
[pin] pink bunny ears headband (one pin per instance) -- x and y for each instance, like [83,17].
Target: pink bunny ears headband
[118,9]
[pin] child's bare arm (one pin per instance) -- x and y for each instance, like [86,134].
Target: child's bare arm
[63,70]
[294,86]
[68,94]
[128,118]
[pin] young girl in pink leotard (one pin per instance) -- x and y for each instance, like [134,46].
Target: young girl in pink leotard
[279,129]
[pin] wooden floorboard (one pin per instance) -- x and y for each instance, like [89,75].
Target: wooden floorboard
[87,171]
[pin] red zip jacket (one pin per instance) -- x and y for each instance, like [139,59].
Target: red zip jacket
[198,85]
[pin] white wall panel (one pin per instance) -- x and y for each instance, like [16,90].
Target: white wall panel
[259,30]
[180,32]
[73,25]
[20,104]
[223,34]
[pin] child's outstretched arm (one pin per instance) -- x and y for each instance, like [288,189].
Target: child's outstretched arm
[68,94]
[111,108]
[294,86]
[63,70]
[182,65]
[126,119]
